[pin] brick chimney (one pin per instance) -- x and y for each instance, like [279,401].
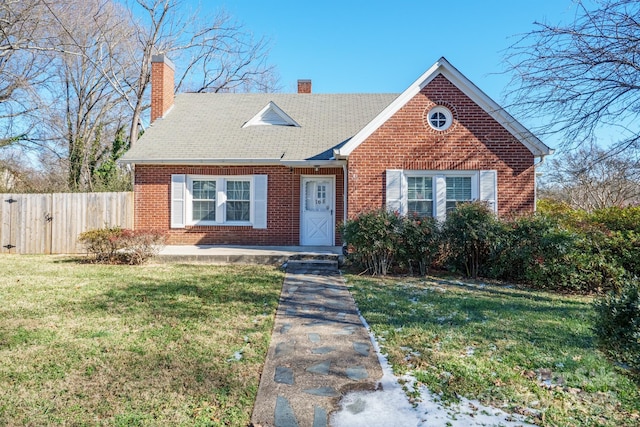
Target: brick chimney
[162,86]
[304,86]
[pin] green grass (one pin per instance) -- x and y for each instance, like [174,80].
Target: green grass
[84,344]
[498,345]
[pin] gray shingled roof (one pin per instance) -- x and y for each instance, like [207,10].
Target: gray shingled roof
[205,127]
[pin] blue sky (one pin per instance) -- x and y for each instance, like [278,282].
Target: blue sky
[383,46]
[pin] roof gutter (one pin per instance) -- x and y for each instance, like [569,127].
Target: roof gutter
[312,163]
[234,162]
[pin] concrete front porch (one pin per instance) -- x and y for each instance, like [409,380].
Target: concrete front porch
[228,254]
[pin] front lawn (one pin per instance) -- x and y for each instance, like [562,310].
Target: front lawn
[162,344]
[527,352]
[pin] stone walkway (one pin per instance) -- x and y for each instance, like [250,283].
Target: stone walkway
[319,351]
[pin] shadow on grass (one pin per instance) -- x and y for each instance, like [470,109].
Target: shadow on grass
[192,295]
[156,340]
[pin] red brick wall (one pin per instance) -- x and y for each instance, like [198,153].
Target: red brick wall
[152,204]
[162,88]
[474,142]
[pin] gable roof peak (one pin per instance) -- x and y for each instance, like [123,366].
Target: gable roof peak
[451,73]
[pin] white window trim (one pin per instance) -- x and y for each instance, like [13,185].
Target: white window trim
[439,185]
[447,114]
[433,194]
[221,199]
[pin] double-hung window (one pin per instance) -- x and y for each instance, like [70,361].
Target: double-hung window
[238,205]
[204,200]
[436,192]
[420,195]
[203,193]
[458,191]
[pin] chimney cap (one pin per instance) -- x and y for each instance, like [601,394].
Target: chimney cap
[162,59]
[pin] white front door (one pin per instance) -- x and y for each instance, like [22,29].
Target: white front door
[317,223]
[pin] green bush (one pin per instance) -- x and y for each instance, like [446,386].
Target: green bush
[617,325]
[618,219]
[115,245]
[561,250]
[555,249]
[420,240]
[373,239]
[470,235]
[102,243]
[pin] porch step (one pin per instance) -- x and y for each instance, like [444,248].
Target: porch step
[324,264]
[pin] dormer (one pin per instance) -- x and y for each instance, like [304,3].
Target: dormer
[271,115]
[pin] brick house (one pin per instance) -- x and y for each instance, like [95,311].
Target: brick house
[285,169]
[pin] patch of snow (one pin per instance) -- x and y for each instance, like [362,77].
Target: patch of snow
[236,356]
[390,406]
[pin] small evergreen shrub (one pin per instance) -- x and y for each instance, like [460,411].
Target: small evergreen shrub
[617,325]
[115,245]
[373,239]
[102,243]
[420,243]
[469,235]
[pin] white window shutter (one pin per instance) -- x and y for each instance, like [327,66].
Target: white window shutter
[395,191]
[440,194]
[489,189]
[260,201]
[178,201]
[221,199]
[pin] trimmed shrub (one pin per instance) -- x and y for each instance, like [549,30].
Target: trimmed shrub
[141,245]
[102,243]
[115,245]
[469,236]
[524,245]
[557,249]
[373,239]
[617,325]
[420,242]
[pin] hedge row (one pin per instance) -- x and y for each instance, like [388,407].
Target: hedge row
[556,248]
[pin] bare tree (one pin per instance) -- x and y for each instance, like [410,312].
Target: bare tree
[22,67]
[85,66]
[211,53]
[85,113]
[584,76]
[592,178]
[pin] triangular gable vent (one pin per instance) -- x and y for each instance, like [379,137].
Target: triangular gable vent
[271,115]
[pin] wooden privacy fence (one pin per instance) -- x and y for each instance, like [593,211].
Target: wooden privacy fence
[51,223]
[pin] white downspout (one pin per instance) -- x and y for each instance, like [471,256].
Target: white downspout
[345,199]
[535,183]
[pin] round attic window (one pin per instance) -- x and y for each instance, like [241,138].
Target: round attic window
[440,118]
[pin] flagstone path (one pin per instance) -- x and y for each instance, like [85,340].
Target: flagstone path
[319,351]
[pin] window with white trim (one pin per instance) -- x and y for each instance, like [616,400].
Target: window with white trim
[420,195]
[458,191]
[203,193]
[213,200]
[218,200]
[440,118]
[433,193]
[238,205]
